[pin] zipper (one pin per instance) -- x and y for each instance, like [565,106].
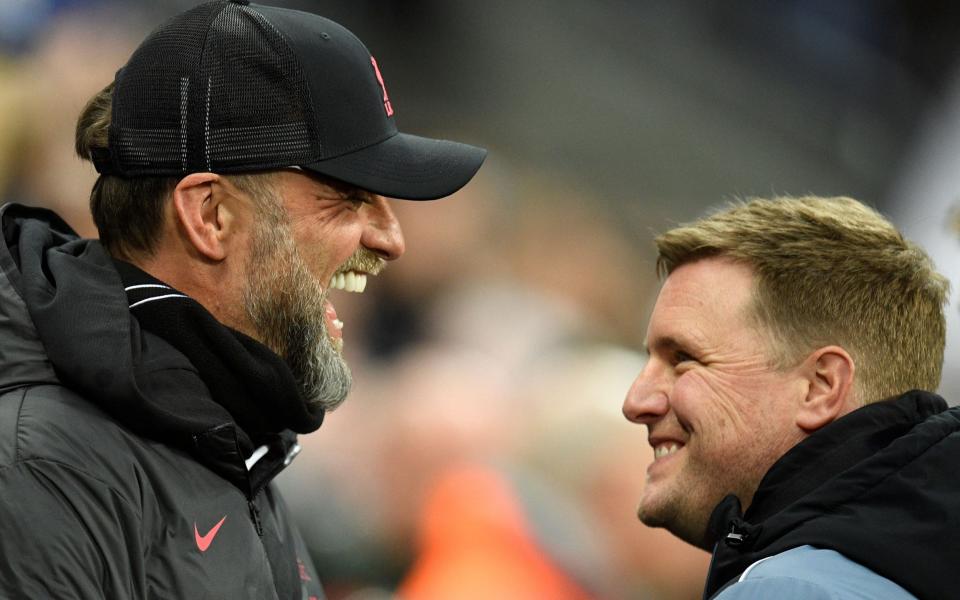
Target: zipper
[255,517]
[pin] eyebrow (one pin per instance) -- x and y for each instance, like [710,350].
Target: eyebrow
[343,189]
[350,192]
[667,342]
[366,195]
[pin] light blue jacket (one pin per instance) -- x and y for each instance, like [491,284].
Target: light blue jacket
[808,573]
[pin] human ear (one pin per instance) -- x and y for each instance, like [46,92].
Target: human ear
[201,214]
[830,393]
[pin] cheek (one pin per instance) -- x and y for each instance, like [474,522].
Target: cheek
[327,249]
[714,404]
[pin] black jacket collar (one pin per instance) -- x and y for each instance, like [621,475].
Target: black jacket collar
[858,486]
[245,377]
[78,312]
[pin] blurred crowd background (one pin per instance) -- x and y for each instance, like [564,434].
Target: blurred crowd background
[483,453]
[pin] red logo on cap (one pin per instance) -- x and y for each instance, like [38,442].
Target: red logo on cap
[386,99]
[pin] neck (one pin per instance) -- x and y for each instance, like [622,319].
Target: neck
[203,280]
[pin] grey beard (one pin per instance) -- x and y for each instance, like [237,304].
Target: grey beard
[285,304]
[322,374]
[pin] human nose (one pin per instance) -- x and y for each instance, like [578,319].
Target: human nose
[382,233]
[647,400]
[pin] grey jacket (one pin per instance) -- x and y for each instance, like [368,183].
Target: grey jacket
[120,477]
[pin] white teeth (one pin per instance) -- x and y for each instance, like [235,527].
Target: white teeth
[665,449]
[338,323]
[350,282]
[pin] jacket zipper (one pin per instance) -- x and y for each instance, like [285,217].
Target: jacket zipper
[255,517]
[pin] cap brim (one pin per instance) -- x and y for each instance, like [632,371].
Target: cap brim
[406,166]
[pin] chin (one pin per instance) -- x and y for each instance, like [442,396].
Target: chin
[673,514]
[652,511]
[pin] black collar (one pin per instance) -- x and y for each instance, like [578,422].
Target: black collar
[245,377]
[796,499]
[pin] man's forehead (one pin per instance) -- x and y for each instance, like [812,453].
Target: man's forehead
[708,284]
[709,295]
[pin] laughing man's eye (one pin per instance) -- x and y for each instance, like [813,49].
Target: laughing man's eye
[357,199]
[681,357]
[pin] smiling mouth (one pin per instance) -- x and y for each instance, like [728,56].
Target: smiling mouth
[351,281]
[348,281]
[665,449]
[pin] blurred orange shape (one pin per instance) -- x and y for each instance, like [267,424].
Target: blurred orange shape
[475,543]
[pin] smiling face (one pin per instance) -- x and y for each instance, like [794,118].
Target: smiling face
[718,412]
[325,235]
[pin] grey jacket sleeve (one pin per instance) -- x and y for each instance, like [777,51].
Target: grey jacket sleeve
[64,535]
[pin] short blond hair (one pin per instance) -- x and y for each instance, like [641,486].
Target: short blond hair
[830,271]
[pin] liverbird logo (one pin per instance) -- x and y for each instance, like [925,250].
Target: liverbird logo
[386,99]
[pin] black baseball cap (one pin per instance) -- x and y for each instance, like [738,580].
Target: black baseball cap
[234,87]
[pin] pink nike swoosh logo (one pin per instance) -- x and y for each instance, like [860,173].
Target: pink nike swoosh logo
[203,541]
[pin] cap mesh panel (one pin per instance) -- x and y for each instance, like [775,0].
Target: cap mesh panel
[256,93]
[216,88]
[150,128]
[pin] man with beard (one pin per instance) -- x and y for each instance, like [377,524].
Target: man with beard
[787,350]
[154,381]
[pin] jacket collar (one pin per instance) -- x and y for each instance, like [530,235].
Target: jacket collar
[843,464]
[838,447]
[65,304]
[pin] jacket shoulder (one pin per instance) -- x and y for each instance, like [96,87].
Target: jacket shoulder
[50,421]
[809,572]
[53,424]
[62,512]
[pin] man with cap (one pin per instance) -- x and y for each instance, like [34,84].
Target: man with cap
[153,382]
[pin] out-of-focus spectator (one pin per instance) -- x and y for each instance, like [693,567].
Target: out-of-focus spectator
[924,200]
[73,58]
[13,99]
[577,440]
[475,543]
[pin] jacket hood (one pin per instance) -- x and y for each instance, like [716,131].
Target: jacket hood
[877,485]
[23,359]
[65,319]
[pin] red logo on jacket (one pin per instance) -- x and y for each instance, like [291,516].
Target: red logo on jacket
[204,541]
